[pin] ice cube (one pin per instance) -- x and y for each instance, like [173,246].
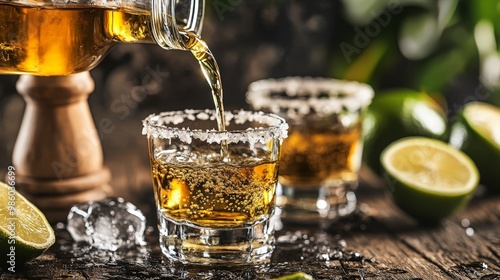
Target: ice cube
[109,224]
[76,222]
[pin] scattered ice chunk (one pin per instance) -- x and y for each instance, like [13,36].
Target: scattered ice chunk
[109,224]
[76,222]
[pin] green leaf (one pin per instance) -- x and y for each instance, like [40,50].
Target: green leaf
[440,70]
[364,65]
[484,35]
[446,10]
[419,35]
[487,10]
[361,12]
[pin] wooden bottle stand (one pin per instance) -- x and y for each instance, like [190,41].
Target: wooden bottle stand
[58,154]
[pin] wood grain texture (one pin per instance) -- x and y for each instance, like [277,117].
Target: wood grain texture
[58,155]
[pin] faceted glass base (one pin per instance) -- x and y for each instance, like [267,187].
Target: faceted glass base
[313,205]
[192,244]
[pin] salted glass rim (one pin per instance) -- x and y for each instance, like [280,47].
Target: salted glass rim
[343,95]
[157,126]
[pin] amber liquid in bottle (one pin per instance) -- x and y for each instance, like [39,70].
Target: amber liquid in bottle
[46,41]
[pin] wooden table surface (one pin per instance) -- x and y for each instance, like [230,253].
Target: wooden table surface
[377,242]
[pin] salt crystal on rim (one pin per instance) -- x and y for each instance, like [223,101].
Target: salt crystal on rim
[161,126]
[202,116]
[345,95]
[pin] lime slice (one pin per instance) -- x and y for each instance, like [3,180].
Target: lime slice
[428,179]
[295,276]
[24,231]
[477,133]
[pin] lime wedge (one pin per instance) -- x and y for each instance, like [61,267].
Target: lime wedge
[295,276]
[427,178]
[477,133]
[24,231]
[485,120]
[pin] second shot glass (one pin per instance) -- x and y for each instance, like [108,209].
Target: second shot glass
[321,157]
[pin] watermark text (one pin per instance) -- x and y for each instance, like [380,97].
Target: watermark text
[11,219]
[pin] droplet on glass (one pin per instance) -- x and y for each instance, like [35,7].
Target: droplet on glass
[465,223]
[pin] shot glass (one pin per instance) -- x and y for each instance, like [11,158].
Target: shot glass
[321,157]
[215,191]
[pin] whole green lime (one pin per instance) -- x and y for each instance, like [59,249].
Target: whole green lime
[476,132]
[397,114]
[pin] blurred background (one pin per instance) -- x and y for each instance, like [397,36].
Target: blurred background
[446,48]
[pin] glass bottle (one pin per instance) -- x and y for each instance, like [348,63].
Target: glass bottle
[62,37]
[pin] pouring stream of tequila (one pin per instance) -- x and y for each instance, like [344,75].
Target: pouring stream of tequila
[207,62]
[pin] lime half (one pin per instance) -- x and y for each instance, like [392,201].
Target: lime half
[295,276]
[427,178]
[477,133]
[24,231]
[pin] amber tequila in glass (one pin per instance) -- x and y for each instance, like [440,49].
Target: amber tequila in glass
[321,157]
[215,190]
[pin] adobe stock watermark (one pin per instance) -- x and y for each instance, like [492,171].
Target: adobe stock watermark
[365,35]
[11,219]
[221,7]
[151,85]
[122,106]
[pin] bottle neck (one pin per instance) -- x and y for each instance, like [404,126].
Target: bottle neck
[168,16]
